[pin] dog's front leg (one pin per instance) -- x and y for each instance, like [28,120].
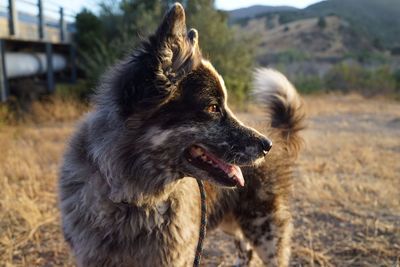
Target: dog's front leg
[245,252]
[269,234]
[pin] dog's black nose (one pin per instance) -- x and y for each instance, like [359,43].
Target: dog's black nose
[266,145]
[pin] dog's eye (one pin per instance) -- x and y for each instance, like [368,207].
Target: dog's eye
[213,109]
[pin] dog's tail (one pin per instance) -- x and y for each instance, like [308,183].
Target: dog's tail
[283,104]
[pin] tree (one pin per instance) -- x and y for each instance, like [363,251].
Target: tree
[121,25]
[377,43]
[88,26]
[141,16]
[231,52]
[321,22]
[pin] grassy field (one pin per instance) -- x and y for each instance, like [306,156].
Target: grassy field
[346,191]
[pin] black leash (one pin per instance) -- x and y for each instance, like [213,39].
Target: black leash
[203,224]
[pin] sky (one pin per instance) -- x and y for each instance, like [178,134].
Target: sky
[76,5]
[233,4]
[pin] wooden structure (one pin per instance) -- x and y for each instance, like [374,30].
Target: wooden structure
[41,29]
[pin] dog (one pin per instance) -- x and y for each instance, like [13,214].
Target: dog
[128,190]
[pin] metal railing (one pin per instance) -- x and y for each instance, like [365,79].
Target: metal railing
[16,17]
[37,26]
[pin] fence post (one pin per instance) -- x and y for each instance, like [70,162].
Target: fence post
[72,58]
[13,18]
[3,73]
[50,72]
[62,25]
[41,20]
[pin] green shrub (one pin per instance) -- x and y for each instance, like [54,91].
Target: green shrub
[347,78]
[382,80]
[6,115]
[368,57]
[396,75]
[291,55]
[77,91]
[309,84]
[88,27]
[321,22]
[286,29]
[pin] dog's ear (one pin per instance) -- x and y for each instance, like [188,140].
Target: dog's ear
[149,78]
[173,27]
[193,36]
[177,49]
[173,24]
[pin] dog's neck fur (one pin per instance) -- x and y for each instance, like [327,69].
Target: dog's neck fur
[150,180]
[155,199]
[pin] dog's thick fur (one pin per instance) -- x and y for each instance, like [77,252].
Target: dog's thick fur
[126,193]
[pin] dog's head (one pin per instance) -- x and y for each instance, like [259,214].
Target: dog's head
[176,122]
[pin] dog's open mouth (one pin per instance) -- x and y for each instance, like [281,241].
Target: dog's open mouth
[222,172]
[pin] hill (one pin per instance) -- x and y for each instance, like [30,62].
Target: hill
[252,11]
[306,39]
[334,45]
[379,21]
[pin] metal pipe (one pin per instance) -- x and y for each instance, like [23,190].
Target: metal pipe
[28,64]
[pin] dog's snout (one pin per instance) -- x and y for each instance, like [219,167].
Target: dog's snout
[266,145]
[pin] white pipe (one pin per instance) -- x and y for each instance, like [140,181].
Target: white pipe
[28,64]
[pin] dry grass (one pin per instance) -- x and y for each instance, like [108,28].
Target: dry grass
[348,191]
[347,204]
[52,110]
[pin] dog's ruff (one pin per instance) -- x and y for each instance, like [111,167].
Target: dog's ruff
[161,117]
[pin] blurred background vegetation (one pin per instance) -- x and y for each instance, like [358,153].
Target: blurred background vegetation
[120,25]
[334,45]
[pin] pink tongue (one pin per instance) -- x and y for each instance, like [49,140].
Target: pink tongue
[228,169]
[238,174]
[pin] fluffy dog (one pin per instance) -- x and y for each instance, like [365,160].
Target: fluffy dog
[127,195]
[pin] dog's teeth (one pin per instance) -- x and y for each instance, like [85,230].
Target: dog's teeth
[231,174]
[197,151]
[190,160]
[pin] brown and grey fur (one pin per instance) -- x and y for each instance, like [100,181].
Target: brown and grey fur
[126,193]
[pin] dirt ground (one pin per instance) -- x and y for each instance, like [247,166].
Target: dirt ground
[346,193]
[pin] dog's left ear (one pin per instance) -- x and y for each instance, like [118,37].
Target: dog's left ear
[177,49]
[173,24]
[150,78]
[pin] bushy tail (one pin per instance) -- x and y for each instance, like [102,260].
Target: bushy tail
[282,103]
